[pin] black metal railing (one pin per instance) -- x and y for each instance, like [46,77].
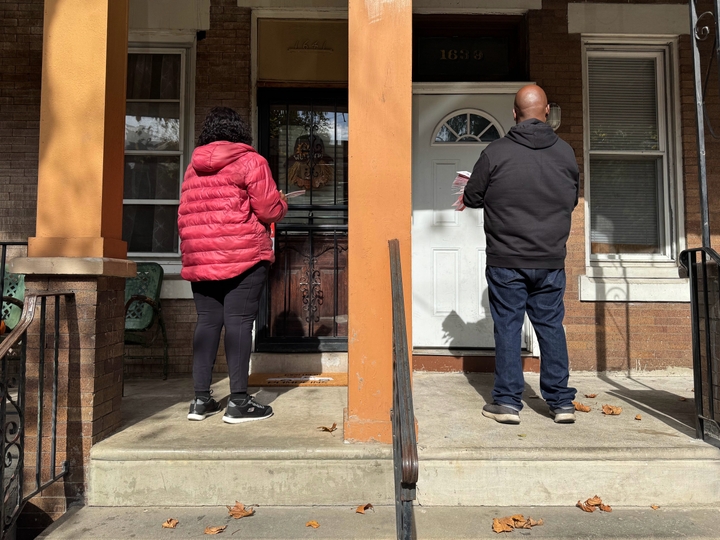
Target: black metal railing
[405,457]
[702,266]
[16,463]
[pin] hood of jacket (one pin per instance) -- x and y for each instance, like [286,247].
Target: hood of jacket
[533,134]
[212,157]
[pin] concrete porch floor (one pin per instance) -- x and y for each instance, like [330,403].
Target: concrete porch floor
[471,468]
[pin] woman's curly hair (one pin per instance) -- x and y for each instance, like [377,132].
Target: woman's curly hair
[224,124]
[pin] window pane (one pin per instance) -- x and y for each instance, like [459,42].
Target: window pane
[153,76]
[459,124]
[152,177]
[490,135]
[624,205]
[150,229]
[445,135]
[152,126]
[623,104]
[478,124]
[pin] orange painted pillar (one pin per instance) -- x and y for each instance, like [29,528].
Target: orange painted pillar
[380,154]
[82,130]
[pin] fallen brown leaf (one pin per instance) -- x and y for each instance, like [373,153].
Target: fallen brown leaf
[581,407]
[638,417]
[170,523]
[313,524]
[329,429]
[518,521]
[215,530]
[584,507]
[605,508]
[590,396]
[501,526]
[611,410]
[240,511]
[654,506]
[361,509]
[683,399]
[594,501]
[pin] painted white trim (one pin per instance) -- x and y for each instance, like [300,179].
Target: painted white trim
[468,88]
[633,290]
[175,288]
[628,19]
[166,37]
[506,7]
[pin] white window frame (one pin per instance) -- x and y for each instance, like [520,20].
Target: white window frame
[187,49]
[470,139]
[641,277]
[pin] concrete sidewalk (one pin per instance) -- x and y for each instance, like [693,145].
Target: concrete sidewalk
[434,523]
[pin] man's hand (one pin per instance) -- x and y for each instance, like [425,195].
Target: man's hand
[282,196]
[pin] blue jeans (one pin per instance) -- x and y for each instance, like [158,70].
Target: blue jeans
[539,292]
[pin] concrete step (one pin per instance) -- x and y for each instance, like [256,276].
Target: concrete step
[161,459]
[431,523]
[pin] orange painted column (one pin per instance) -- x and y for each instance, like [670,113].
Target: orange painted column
[82,130]
[380,154]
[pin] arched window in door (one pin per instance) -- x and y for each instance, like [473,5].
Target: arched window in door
[468,126]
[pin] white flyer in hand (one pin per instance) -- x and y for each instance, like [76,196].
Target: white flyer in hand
[458,188]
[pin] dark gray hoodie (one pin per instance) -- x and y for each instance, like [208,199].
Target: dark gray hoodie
[527,182]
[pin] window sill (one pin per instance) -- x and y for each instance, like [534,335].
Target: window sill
[611,289]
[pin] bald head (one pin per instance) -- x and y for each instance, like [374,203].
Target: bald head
[530,102]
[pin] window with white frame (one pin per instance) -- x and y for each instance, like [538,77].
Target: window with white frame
[155,152]
[631,154]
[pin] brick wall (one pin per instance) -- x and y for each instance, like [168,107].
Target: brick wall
[21,25]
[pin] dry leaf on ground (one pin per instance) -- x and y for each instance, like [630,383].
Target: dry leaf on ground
[580,407]
[590,396]
[329,429]
[611,410]
[240,510]
[313,524]
[361,509]
[638,417]
[591,504]
[654,506]
[215,530]
[170,523]
[683,399]
[518,521]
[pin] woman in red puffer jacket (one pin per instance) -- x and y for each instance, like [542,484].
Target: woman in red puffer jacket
[228,201]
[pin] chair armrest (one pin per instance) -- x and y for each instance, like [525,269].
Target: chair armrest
[142,298]
[14,301]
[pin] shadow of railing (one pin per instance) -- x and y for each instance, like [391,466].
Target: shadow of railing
[22,479]
[405,456]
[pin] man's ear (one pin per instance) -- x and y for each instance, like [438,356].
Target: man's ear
[547,111]
[514,115]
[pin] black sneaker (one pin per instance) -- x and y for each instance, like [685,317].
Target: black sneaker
[501,413]
[563,415]
[246,410]
[201,408]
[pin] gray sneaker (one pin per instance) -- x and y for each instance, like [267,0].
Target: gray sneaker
[501,413]
[563,415]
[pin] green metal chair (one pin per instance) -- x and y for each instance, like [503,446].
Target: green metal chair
[143,311]
[12,299]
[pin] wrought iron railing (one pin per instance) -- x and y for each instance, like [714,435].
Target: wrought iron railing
[703,269]
[405,457]
[16,463]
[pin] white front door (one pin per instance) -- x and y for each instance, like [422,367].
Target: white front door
[450,298]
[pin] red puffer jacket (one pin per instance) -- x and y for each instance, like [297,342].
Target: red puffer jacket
[228,199]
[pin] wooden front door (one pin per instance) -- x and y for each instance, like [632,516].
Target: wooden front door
[304,136]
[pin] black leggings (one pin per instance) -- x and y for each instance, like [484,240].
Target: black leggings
[232,303]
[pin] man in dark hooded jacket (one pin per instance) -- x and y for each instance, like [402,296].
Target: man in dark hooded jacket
[527,184]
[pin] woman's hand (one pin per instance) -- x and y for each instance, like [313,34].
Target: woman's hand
[282,196]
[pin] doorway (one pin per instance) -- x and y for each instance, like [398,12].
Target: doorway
[303,133]
[451,310]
